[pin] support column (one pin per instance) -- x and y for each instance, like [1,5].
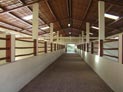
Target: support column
[45,47]
[121,48]
[51,47]
[101,11]
[82,37]
[35,23]
[55,47]
[87,32]
[79,38]
[92,47]
[57,39]
[87,36]
[60,38]
[35,47]
[51,32]
[10,45]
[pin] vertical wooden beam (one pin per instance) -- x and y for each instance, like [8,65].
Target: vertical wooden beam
[55,47]
[57,39]
[101,12]
[8,46]
[51,47]
[87,32]
[100,53]
[84,47]
[35,47]
[51,32]
[87,47]
[45,47]
[121,48]
[92,47]
[35,21]
[82,37]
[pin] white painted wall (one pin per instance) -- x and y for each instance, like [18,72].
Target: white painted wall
[110,71]
[14,76]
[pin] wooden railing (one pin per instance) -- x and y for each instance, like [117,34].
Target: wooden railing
[27,47]
[116,49]
[41,46]
[95,48]
[98,47]
[6,48]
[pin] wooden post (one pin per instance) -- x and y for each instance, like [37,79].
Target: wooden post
[51,47]
[35,47]
[100,48]
[55,47]
[87,47]
[84,47]
[121,48]
[45,47]
[35,22]
[8,46]
[92,47]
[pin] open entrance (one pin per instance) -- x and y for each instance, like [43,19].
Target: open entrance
[71,48]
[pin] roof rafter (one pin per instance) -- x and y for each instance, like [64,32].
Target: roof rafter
[21,6]
[14,16]
[53,13]
[86,11]
[14,30]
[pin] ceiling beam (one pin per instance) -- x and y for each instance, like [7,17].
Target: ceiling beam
[108,9]
[25,5]
[115,21]
[53,13]
[32,11]
[15,17]
[15,30]
[115,3]
[69,10]
[86,12]
[4,9]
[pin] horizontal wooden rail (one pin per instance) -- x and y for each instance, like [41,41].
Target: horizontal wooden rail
[95,52]
[111,56]
[24,55]
[24,47]
[40,42]
[3,58]
[40,47]
[24,40]
[2,38]
[95,47]
[1,48]
[41,51]
[110,48]
[110,40]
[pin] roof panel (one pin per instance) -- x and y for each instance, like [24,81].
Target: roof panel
[9,4]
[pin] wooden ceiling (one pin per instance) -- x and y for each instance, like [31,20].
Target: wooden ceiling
[61,13]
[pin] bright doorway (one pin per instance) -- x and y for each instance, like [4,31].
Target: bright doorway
[71,48]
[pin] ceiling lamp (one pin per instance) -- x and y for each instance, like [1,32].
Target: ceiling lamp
[69,32]
[44,28]
[91,33]
[29,17]
[69,25]
[95,27]
[111,16]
